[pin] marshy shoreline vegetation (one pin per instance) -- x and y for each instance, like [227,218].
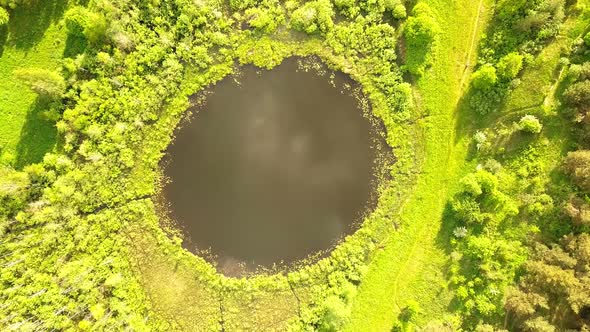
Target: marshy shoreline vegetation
[482,226]
[236,254]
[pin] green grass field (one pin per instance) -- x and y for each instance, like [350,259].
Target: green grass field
[35,37]
[412,264]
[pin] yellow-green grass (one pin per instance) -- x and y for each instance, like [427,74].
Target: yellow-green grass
[34,37]
[412,263]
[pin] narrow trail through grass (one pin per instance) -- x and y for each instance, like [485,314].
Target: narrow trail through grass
[472,47]
[411,265]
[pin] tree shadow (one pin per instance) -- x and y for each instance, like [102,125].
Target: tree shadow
[74,45]
[466,123]
[28,23]
[3,38]
[37,137]
[443,242]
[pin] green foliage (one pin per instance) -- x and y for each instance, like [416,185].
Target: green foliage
[75,263]
[4,16]
[313,17]
[510,65]
[530,124]
[518,30]
[398,10]
[335,315]
[410,311]
[420,33]
[485,78]
[421,28]
[14,3]
[577,165]
[485,259]
[579,72]
[13,193]
[486,101]
[553,291]
[46,83]
[265,20]
[578,95]
[522,25]
[241,4]
[81,22]
[579,211]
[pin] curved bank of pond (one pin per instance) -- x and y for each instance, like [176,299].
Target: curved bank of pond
[273,166]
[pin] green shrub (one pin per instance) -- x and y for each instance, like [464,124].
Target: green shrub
[578,95]
[241,4]
[577,165]
[313,16]
[510,65]
[530,124]
[484,78]
[336,314]
[397,9]
[579,211]
[579,72]
[4,17]
[46,83]
[421,29]
[77,20]
[420,32]
[13,191]
[81,22]
[410,311]
[587,39]
[480,139]
[486,101]
[14,3]
[264,20]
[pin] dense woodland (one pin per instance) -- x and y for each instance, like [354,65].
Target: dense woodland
[81,244]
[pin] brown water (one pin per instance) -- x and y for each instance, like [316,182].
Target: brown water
[271,169]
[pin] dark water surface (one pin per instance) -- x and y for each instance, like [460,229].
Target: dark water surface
[273,169]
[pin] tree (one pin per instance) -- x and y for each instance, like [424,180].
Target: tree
[579,210]
[313,16]
[577,165]
[510,65]
[13,191]
[484,78]
[4,17]
[265,20]
[578,95]
[580,72]
[241,4]
[48,84]
[81,22]
[14,3]
[421,29]
[336,314]
[553,289]
[420,33]
[530,124]
[397,9]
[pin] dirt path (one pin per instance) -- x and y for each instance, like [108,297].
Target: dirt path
[472,46]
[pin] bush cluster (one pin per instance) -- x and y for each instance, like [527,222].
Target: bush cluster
[119,102]
[518,30]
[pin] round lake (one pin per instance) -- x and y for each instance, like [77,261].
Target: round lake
[274,166]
